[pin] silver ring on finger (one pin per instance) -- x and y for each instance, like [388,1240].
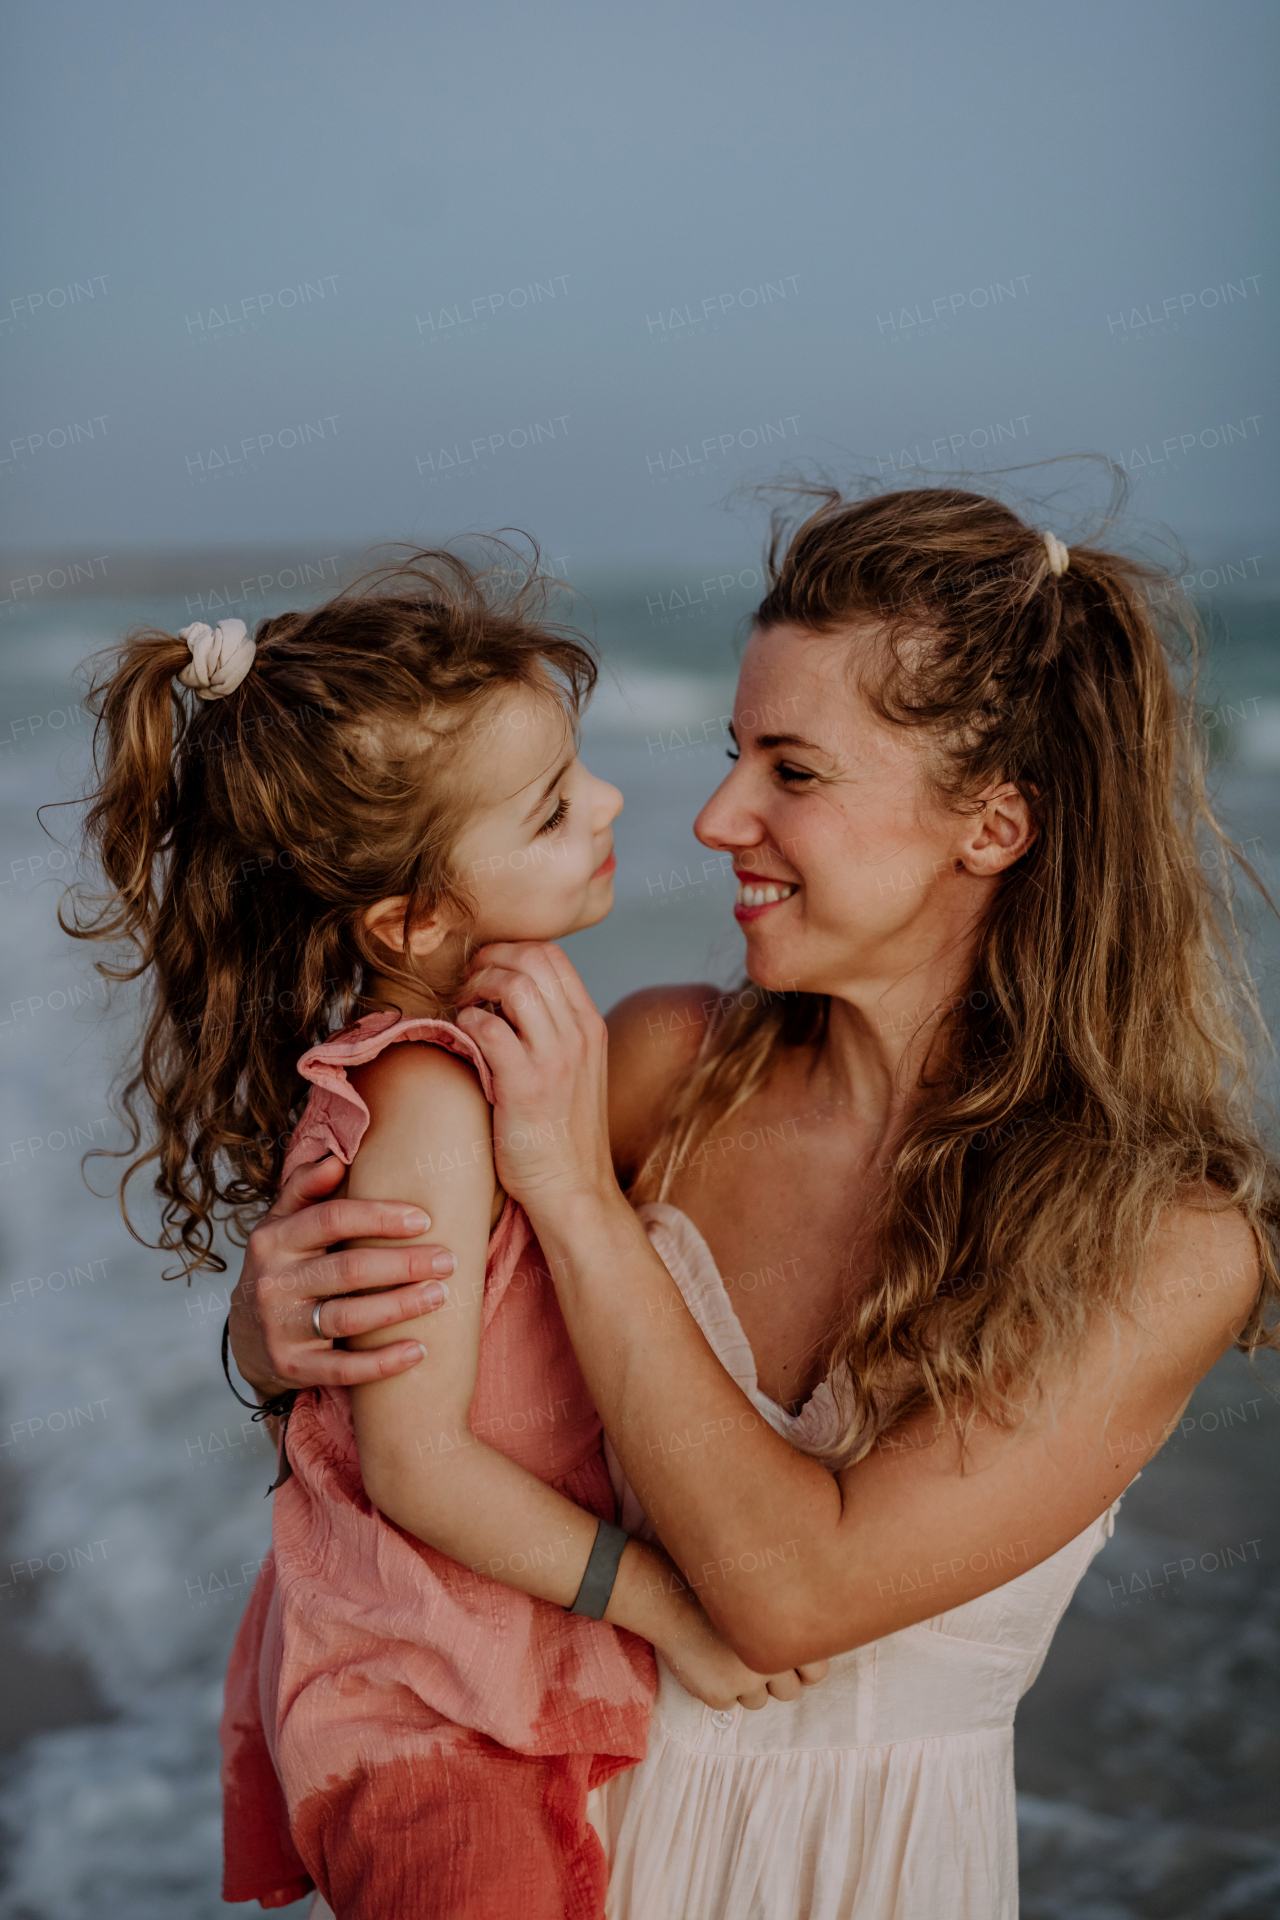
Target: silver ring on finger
[316,1328]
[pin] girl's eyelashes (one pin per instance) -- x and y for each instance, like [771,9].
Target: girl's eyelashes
[550,825]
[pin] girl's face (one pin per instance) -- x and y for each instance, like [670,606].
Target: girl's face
[537,855]
[851,871]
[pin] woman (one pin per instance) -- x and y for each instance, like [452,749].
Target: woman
[980,1138]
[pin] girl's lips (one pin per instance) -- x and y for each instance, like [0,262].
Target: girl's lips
[606,867]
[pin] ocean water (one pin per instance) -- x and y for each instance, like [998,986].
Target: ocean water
[132,1483]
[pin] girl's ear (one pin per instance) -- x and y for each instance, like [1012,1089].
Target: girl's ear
[384,923]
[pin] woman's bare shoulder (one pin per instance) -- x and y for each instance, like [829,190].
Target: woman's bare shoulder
[654,1036]
[671,1018]
[1203,1267]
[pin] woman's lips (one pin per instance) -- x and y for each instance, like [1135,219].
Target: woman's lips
[757,895]
[606,867]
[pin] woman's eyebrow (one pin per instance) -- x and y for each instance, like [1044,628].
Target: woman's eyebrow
[549,789]
[787,740]
[768,740]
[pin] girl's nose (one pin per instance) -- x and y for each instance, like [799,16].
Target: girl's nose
[609,802]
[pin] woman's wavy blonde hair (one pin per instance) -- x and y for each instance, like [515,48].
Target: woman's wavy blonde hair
[1096,1067]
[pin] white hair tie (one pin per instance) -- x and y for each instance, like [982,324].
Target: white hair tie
[1059,558]
[220,657]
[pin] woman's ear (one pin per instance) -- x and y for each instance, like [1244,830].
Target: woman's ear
[999,835]
[384,923]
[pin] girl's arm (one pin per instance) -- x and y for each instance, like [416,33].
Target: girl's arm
[429,1140]
[798,1563]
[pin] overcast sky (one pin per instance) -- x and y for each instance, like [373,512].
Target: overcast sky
[311,270]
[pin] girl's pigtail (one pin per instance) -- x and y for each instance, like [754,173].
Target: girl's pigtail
[141,720]
[141,733]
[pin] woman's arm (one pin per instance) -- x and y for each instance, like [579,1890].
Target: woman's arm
[791,1562]
[291,1264]
[423,1467]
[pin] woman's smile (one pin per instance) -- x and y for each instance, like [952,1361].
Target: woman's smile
[756,895]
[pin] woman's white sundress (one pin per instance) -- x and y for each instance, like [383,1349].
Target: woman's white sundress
[884,1793]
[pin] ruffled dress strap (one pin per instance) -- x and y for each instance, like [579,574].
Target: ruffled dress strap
[336,1119]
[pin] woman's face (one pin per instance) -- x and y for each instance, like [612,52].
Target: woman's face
[851,871]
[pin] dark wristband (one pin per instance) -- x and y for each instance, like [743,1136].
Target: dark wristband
[600,1571]
[279,1407]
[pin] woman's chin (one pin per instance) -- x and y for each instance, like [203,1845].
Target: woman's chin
[771,972]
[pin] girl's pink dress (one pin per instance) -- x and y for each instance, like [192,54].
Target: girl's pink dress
[408,1735]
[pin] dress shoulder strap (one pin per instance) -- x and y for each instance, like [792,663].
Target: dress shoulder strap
[336,1118]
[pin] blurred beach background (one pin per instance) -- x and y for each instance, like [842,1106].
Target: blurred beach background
[287,285]
[1148,1750]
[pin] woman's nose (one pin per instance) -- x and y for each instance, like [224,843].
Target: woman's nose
[723,823]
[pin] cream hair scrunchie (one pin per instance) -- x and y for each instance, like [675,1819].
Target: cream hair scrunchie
[220,657]
[1059,558]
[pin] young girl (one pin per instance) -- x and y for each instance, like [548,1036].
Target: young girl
[440,1657]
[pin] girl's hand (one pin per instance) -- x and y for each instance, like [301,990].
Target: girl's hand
[707,1667]
[288,1268]
[651,1598]
[547,1053]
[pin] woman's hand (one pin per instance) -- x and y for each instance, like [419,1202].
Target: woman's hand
[548,1053]
[288,1268]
